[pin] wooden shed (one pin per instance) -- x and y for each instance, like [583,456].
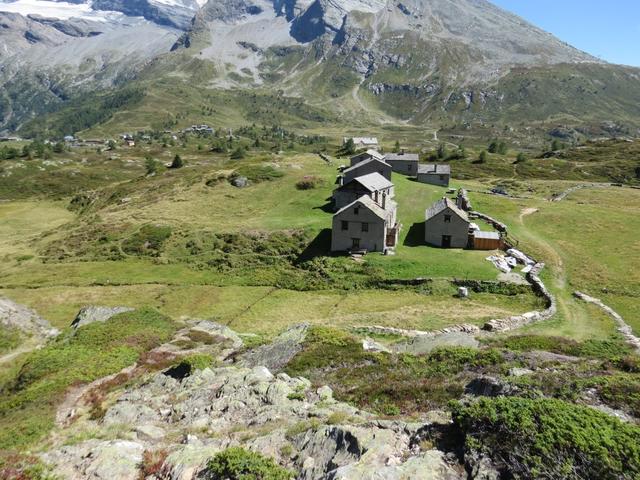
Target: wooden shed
[486,241]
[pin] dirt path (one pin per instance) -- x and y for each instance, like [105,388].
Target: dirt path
[526,212]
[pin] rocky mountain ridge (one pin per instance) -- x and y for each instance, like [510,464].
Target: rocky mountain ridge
[416,60]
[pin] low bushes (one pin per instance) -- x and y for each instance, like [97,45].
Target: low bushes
[147,241]
[239,464]
[543,438]
[28,402]
[309,183]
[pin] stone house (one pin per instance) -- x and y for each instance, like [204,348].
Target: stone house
[404,163]
[372,185]
[361,157]
[363,142]
[364,225]
[446,225]
[364,168]
[434,174]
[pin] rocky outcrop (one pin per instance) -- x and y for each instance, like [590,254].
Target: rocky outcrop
[91,314]
[277,354]
[15,316]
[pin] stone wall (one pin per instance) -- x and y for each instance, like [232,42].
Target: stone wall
[517,321]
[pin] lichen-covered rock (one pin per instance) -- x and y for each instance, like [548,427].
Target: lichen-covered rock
[277,354]
[91,314]
[13,315]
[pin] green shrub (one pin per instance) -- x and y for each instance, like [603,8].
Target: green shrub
[9,338]
[309,183]
[544,438]
[611,349]
[239,464]
[147,241]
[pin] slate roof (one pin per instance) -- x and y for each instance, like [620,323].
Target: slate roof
[443,204]
[407,157]
[434,169]
[372,182]
[358,165]
[366,202]
[487,235]
[372,153]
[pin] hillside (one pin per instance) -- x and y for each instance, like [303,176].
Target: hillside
[433,62]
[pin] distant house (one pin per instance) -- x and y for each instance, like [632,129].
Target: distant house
[364,225]
[404,163]
[361,157]
[364,168]
[362,142]
[372,185]
[434,174]
[446,225]
[130,143]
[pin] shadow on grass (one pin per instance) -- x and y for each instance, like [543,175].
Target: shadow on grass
[415,235]
[327,207]
[319,247]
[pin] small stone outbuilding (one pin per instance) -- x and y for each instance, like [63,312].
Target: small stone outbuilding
[434,174]
[364,168]
[404,163]
[365,226]
[446,225]
[486,240]
[372,185]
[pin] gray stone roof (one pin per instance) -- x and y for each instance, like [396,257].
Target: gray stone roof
[371,153]
[443,204]
[373,182]
[434,169]
[487,235]
[358,165]
[368,203]
[406,157]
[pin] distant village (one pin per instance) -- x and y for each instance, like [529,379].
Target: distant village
[366,220]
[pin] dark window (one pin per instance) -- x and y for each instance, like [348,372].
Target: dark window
[447,219]
[365,227]
[356,211]
[345,225]
[355,243]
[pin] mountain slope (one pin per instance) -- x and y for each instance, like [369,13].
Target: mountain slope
[415,60]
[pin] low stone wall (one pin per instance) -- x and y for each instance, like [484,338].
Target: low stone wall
[623,327]
[561,196]
[379,330]
[463,201]
[501,227]
[517,321]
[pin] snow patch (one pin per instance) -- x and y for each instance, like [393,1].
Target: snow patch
[60,10]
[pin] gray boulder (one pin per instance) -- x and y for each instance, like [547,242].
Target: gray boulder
[13,315]
[91,314]
[240,182]
[277,354]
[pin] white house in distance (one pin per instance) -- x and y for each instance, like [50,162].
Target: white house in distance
[365,225]
[372,185]
[363,142]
